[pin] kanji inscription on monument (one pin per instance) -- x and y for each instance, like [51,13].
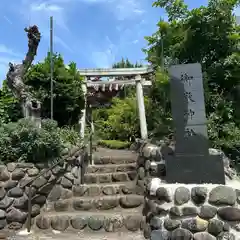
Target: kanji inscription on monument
[192,162]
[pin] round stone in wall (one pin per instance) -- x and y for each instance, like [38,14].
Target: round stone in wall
[18,174]
[181,233]
[207,212]
[203,236]
[141,173]
[43,223]
[66,183]
[195,224]
[156,222]
[35,210]
[109,190]
[181,196]
[171,224]
[146,230]
[6,202]
[131,201]
[199,194]
[215,227]
[11,167]
[222,195]
[15,226]
[160,235]
[189,211]
[60,223]
[3,224]
[229,213]
[175,212]
[133,223]
[15,192]
[10,184]
[163,194]
[226,236]
[95,223]
[2,214]
[15,215]
[79,222]
[32,172]
[113,224]
[2,193]
[4,174]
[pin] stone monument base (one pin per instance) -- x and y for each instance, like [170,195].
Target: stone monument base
[194,169]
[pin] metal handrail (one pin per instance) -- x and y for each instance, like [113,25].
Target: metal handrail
[34,179]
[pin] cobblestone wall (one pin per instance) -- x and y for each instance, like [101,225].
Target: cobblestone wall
[174,211]
[14,188]
[150,162]
[192,212]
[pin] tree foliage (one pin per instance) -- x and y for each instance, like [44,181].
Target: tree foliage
[10,109]
[23,141]
[209,35]
[67,92]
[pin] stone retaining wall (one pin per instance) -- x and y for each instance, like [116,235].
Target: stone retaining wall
[150,162]
[201,212]
[175,211]
[15,179]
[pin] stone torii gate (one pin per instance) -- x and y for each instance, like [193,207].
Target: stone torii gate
[97,90]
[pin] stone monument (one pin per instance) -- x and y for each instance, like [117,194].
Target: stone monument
[191,162]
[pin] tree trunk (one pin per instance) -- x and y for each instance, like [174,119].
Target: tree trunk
[31,107]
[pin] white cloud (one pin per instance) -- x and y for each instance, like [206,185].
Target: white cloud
[106,57]
[122,9]
[39,13]
[128,9]
[7,19]
[4,49]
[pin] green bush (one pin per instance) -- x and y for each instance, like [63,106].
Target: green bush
[23,141]
[120,121]
[114,144]
[69,136]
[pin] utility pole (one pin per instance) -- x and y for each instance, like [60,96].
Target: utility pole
[162,53]
[51,63]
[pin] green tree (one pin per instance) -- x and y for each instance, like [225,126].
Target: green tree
[10,109]
[128,90]
[209,35]
[67,97]
[126,64]
[120,121]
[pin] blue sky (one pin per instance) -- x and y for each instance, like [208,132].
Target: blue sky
[92,33]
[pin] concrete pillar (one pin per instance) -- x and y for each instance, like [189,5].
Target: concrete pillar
[82,121]
[141,108]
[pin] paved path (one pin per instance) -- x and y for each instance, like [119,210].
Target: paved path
[81,236]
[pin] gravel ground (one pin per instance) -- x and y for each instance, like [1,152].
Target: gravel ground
[81,236]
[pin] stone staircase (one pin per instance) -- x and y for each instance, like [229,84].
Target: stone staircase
[108,201]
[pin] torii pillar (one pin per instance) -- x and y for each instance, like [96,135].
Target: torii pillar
[82,121]
[141,108]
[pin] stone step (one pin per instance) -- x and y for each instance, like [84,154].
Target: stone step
[113,159]
[90,221]
[109,177]
[102,189]
[114,156]
[95,204]
[110,168]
